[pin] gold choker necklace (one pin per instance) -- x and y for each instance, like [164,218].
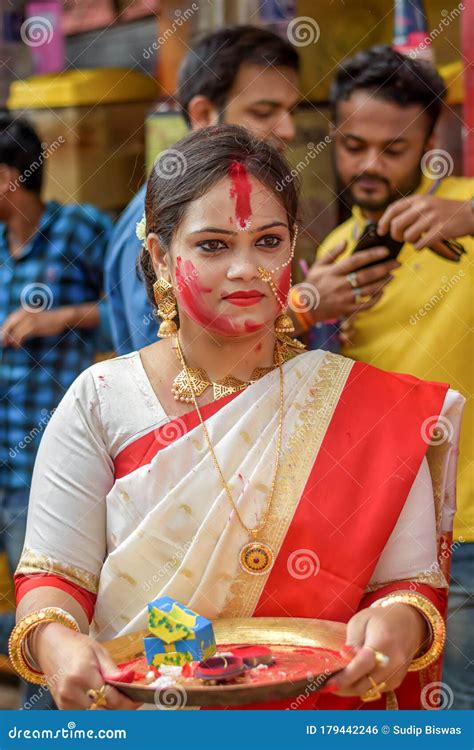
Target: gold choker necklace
[285,348]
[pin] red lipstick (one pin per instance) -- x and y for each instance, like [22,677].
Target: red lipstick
[244,298]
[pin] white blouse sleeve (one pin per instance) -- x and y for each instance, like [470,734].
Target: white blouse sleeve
[66,529]
[411,550]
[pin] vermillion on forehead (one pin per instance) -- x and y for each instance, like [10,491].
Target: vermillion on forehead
[240,189]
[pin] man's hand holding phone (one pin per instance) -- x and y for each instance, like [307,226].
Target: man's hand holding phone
[429,221]
[347,287]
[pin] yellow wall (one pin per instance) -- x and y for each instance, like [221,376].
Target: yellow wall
[349,25]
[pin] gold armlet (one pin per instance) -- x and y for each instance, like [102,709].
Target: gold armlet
[432,617]
[23,628]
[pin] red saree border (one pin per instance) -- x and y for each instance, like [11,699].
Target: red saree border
[351,503]
[142,450]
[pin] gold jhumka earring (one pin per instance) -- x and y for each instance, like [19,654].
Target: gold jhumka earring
[166,306]
[163,292]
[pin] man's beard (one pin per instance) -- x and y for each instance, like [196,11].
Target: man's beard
[407,187]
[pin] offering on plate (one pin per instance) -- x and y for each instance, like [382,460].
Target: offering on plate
[178,635]
[218,668]
[255,660]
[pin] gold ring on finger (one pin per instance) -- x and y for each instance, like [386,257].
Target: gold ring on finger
[352,279]
[97,697]
[358,298]
[374,693]
[381,659]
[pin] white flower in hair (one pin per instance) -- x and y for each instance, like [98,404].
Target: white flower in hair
[141,228]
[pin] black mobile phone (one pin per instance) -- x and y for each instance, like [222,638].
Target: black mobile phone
[369,238]
[447,249]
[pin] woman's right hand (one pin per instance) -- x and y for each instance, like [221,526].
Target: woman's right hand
[73,663]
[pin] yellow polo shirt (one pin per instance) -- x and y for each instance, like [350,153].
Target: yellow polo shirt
[423,325]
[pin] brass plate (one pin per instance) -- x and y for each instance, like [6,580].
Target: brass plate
[268,631]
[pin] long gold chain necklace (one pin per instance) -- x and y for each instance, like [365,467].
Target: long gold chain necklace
[255,557]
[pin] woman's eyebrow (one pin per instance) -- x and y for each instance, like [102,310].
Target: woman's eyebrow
[219,230]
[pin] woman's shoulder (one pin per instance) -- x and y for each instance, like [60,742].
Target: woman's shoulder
[117,396]
[109,375]
[115,369]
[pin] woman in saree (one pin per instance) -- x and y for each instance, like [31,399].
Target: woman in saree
[225,467]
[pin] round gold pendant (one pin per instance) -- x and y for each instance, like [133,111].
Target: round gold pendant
[256,558]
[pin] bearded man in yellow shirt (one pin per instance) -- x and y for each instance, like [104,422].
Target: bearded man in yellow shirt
[385,107]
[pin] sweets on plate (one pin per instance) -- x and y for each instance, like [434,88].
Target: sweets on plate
[178,635]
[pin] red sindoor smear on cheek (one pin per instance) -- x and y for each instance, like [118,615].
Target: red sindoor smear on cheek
[188,277]
[240,190]
[190,291]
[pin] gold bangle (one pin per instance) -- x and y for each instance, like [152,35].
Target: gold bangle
[433,618]
[23,628]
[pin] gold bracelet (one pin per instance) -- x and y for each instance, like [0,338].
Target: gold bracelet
[432,617]
[23,628]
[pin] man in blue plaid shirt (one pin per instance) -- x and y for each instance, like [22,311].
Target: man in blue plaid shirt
[51,261]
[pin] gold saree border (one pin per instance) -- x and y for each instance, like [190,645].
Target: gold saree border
[437,461]
[434,578]
[391,702]
[298,457]
[32,562]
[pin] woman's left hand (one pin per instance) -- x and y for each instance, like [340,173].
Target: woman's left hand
[398,631]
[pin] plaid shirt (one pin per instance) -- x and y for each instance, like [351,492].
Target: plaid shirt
[61,265]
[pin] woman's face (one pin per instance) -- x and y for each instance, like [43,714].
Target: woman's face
[238,225]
